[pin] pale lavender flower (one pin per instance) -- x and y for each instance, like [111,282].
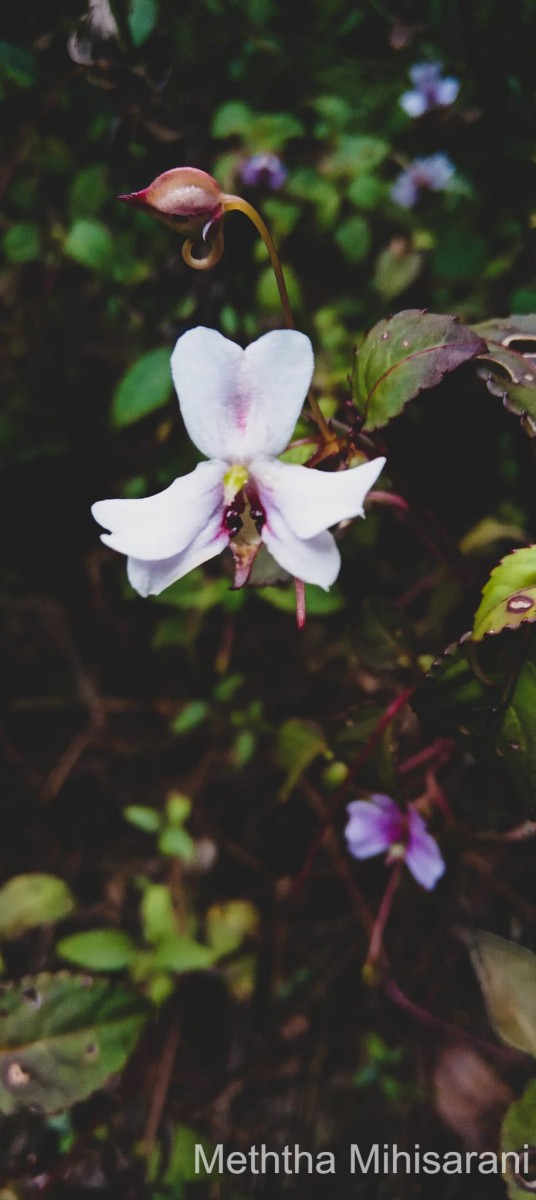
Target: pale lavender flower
[433,173]
[430,90]
[239,408]
[379,824]
[263,170]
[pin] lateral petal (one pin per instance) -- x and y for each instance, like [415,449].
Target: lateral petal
[163,525]
[310,501]
[150,577]
[236,403]
[314,560]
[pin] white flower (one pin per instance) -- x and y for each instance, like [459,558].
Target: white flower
[240,408]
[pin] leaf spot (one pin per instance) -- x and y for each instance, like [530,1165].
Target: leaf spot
[519,603]
[405,343]
[16,1077]
[91,1052]
[385,335]
[529,378]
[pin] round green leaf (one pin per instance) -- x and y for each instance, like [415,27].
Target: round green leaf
[62,1036]
[181,954]
[27,901]
[21,242]
[91,244]
[99,949]
[407,354]
[507,976]
[145,387]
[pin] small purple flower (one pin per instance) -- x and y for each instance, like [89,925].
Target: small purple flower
[433,173]
[430,91]
[263,170]
[378,824]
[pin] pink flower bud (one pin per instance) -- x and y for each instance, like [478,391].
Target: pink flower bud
[186,198]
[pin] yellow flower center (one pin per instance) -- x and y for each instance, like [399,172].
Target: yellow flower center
[233,481]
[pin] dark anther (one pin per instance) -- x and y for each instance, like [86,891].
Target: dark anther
[233,523]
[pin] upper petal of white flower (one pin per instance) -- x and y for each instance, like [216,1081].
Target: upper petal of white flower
[309,501]
[238,404]
[161,526]
[150,577]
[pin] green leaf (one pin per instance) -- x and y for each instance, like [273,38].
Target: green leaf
[397,266]
[18,64]
[407,354]
[62,1036]
[145,387]
[181,954]
[177,843]
[487,692]
[142,18]
[99,949]
[511,346]
[509,596]
[507,976]
[517,1132]
[27,901]
[178,808]
[354,238]
[146,819]
[382,635]
[231,118]
[157,913]
[91,244]
[22,243]
[228,924]
[192,715]
[298,744]
[358,155]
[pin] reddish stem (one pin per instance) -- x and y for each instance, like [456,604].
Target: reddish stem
[376,941]
[389,715]
[301,611]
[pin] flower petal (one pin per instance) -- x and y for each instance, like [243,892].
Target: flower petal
[314,560]
[414,104]
[447,90]
[423,856]
[149,578]
[240,403]
[163,525]
[308,500]
[372,827]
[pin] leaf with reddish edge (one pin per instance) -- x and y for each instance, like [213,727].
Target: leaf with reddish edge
[405,355]
[509,596]
[517,387]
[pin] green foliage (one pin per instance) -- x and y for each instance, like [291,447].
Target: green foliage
[509,596]
[27,901]
[144,388]
[298,744]
[98,949]
[511,346]
[404,355]
[61,1037]
[22,242]
[518,1132]
[507,976]
[90,243]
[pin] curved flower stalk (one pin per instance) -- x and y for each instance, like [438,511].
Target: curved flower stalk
[240,408]
[430,89]
[379,824]
[192,202]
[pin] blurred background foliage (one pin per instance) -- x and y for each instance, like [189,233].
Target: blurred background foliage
[169,762]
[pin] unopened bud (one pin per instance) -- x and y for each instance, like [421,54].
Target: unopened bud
[186,198]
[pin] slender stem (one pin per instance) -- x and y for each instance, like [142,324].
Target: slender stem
[389,715]
[376,941]
[301,611]
[237,204]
